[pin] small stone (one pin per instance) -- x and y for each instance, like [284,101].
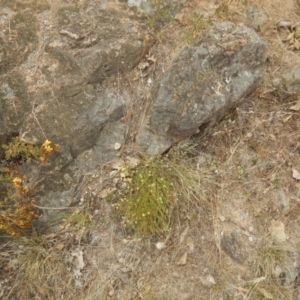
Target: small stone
[277,271]
[183,259]
[296,174]
[222,218]
[277,231]
[231,245]
[276,82]
[208,281]
[118,146]
[190,244]
[160,245]
[176,274]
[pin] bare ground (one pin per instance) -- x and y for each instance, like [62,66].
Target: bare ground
[238,240]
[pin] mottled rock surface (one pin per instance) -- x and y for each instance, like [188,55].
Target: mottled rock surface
[231,244]
[59,63]
[55,58]
[203,84]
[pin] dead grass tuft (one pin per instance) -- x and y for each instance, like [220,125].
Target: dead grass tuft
[272,268]
[39,268]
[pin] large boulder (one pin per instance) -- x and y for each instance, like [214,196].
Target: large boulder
[203,84]
[53,65]
[55,60]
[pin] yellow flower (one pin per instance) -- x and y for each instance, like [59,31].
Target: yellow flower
[18,182]
[46,143]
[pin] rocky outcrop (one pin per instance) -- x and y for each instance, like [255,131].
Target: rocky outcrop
[54,60]
[57,70]
[54,73]
[203,84]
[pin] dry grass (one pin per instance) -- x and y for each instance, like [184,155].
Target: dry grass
[38,269]
[244,175]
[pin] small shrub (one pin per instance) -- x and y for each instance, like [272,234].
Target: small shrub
[156,187]
[19,150]
[195,25]
[222,11]
[17,211]
[148,204]
[160,15]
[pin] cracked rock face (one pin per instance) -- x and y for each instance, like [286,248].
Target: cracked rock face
[51,85]
[52,79]
[202,85]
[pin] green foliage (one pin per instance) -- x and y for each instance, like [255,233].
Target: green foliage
[241,170]
[159,16]
[148,204]
[196,24]
[17,210]
[17,148]
[156,189]
[222,12]
[79,219]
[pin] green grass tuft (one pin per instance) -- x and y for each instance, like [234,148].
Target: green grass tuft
[158,186]
[148,204]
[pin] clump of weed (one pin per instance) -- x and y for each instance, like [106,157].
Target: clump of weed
[195,25]
[78,219]
[156,188]
[222,11]
[148,204]
[159,15]
[17,150]
[39,268]
[271,265]
[17,209]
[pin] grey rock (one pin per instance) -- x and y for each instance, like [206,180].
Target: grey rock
[108,107]
[18,39]
[48,82]
[103,150]
[51,86]
[231,245]
[291,79]
[203,84]
[256,18]
[283,201]
[151,7]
